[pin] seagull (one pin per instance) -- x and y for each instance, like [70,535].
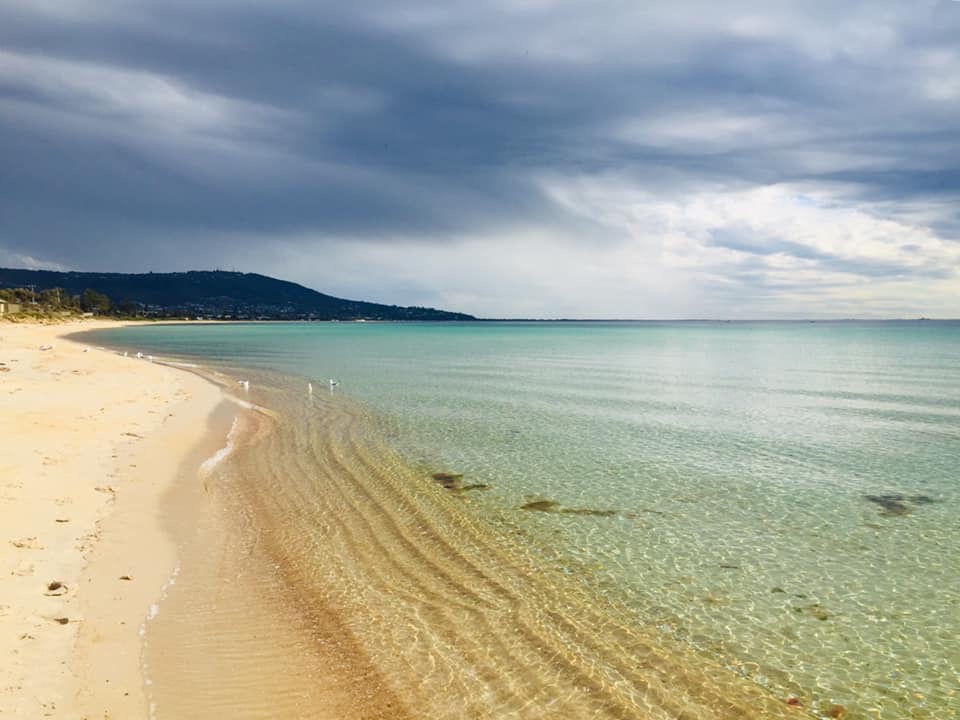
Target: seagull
[310,388]
[244,383]
[333,383]
[124,353]
[150,358]
[139,355]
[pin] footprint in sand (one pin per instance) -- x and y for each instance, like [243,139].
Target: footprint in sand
[28,543]
[56,589]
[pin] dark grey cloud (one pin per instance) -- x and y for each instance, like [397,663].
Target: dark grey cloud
[172,135]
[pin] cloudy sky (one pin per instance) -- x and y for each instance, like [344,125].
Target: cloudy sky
[538,158]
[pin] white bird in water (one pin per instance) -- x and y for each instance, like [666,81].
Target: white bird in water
[139,355]
[125,353]
[244,383]
[150,358]
[310,388]
[333,383]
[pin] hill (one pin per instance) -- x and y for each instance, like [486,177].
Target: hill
[215,294]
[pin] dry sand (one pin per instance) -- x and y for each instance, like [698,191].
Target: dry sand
[89,443]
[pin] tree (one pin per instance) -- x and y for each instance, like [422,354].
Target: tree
[52,297]
[92,301]
[128,307]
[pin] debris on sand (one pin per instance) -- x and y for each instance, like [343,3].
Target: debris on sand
[27,543]
[56,589]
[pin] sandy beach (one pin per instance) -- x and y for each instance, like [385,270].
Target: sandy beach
[91,443]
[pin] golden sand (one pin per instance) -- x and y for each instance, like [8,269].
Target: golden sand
[90,442]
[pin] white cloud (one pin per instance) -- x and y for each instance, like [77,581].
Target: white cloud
[20,260]
[799,241]
[710,129]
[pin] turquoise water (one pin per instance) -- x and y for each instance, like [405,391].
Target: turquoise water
[780,496]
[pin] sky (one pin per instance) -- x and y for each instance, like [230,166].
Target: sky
[505,158]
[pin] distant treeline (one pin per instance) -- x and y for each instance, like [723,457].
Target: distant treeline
[203,294]
[59,301]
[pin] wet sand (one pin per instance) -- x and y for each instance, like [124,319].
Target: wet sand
[91,442]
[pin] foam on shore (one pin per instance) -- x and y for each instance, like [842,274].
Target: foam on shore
[220,455]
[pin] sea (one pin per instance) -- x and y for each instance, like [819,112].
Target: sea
[582,519]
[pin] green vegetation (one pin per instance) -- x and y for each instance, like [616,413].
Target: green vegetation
[56,302]
[97,303]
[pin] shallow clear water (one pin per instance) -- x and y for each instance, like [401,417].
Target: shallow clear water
[780,496]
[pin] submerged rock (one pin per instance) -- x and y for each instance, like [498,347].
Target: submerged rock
[588,511]
[542,506]
[552,506]
[448,480]
[474,486]
[895,505]
[813,611]
[454,482]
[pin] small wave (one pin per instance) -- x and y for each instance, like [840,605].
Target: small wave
[211,462]
[152,613]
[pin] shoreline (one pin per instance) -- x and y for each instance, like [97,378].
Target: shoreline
[96,441]
[380,598]
[406,596]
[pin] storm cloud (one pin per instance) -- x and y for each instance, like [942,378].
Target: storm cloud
[506,158]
